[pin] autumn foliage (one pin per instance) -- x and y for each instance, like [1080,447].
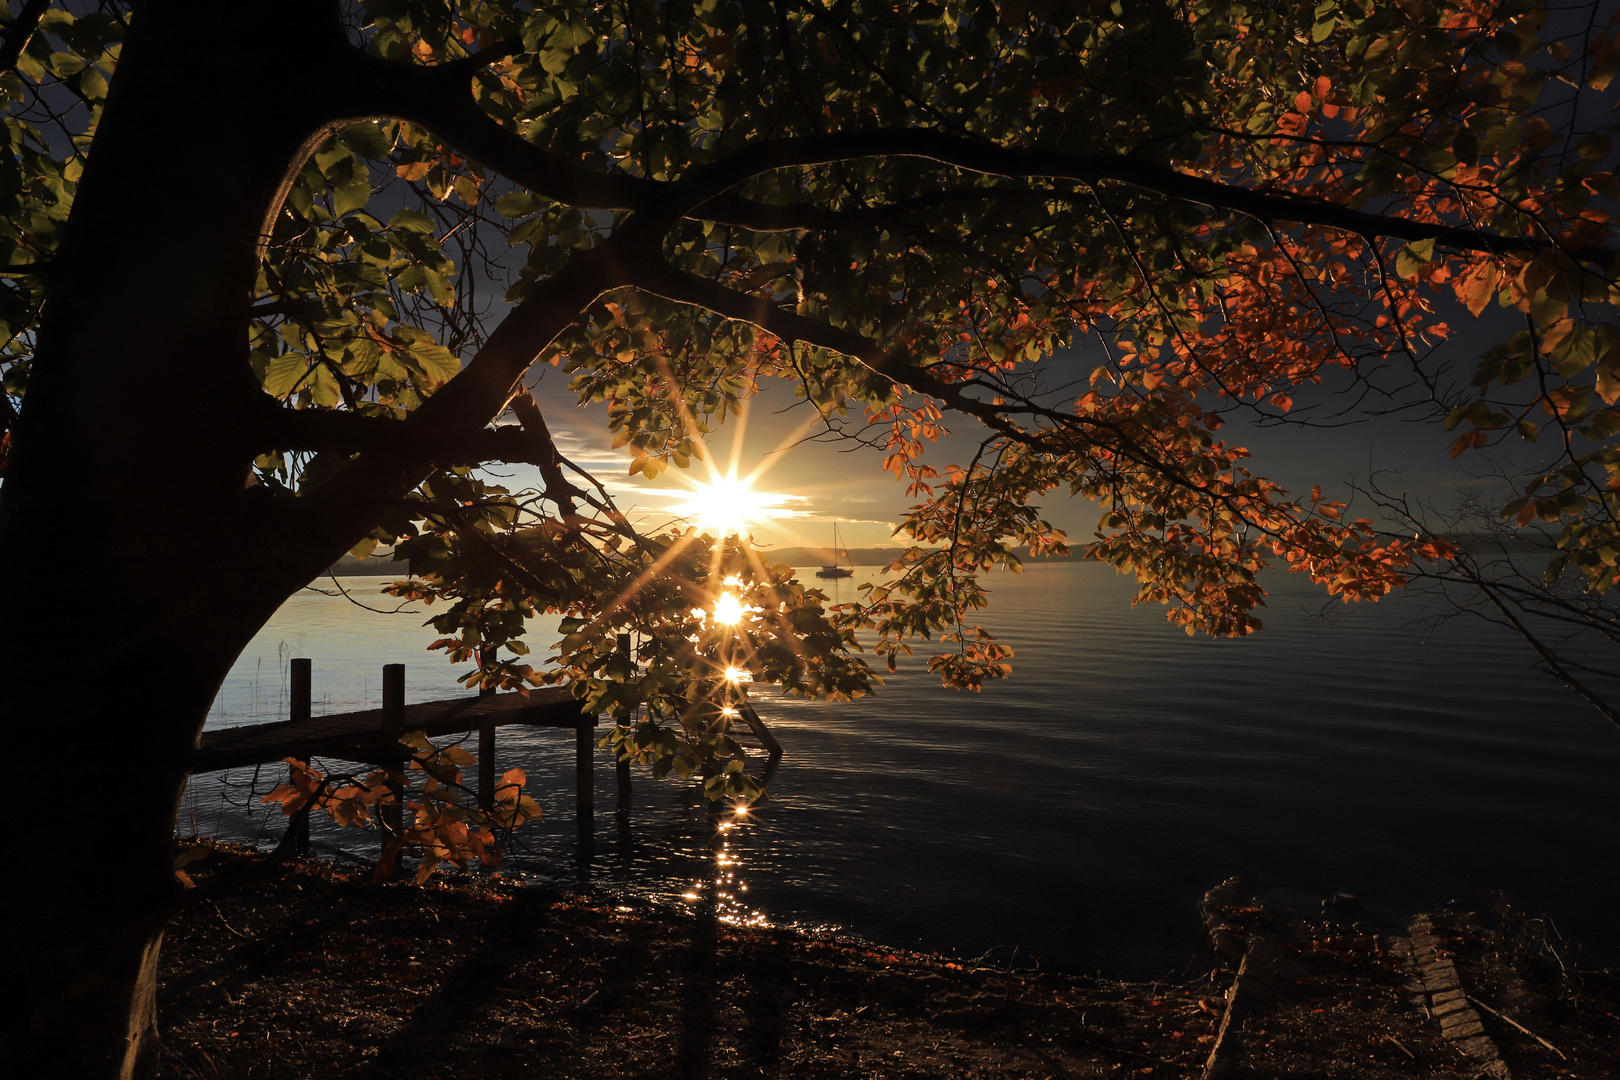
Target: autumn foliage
[273,274]
[443,827]
[1091,233]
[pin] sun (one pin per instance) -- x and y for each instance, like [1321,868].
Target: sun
[729,505]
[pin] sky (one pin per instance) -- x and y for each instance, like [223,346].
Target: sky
[814,483]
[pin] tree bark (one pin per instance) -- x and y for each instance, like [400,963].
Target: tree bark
[138,562]
[126,492]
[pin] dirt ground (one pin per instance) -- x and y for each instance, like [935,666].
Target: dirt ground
[307,970]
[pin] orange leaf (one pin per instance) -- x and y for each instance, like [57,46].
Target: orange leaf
[1473,438]
[1608,387]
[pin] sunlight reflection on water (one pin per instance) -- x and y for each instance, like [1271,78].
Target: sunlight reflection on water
[1079,810]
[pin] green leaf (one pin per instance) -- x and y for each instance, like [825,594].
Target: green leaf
[93,84]
[352,195]
[367,140]
[517,204]
[1546,307]
[1412,258]
[439,286]
[323,387]
[281,375]
[1576,351]
[412,221]
[432,363]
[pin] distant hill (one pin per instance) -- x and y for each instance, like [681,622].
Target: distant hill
[382,565]
[819,556]
[377,566]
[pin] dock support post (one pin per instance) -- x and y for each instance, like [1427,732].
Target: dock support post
[622,765]
[486,765]
[584,744]
[486,743]
[393,702]
[622,771]
[298,708]
[585,816]
[298,692]
[773,749]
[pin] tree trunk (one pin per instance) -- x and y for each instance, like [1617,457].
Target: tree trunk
[139,560]
[138,564]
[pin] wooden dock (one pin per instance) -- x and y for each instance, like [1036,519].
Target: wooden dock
[359,736]
[372,735]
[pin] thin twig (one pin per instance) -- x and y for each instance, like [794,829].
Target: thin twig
[1227,1018]
[1519,1026]
[1400,1046]
[220,915]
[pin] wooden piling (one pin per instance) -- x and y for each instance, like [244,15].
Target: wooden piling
[393,707]
[584,745]
[621,770]
[298,688]
[298,709]
[486,743]
[772,748]
[486,764]
[622,765]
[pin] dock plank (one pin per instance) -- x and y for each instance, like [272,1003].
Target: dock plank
[359,736]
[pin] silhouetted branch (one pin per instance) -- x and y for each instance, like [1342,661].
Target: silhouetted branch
[20,31]
[550,462]
[320,430]
[440,98]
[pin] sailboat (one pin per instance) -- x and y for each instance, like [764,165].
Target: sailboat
[835,571]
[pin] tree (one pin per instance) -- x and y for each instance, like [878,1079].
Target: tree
[247,248]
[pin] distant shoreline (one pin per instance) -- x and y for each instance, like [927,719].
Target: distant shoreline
[383,566]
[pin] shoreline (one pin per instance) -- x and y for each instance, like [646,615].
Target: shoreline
[307,970]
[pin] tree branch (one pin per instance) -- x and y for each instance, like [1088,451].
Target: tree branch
[661,279]
[20,31]
[461,408]
[324,431]
[441,99]
[1554,667]
[500,50]
[475,537]
[683,288]
[550,461]
[680,287]
[819,13]
[791,217]
[1091,169]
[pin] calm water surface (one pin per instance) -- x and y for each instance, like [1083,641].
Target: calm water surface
[1078,811]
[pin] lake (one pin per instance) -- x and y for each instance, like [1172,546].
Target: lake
[1076,812]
